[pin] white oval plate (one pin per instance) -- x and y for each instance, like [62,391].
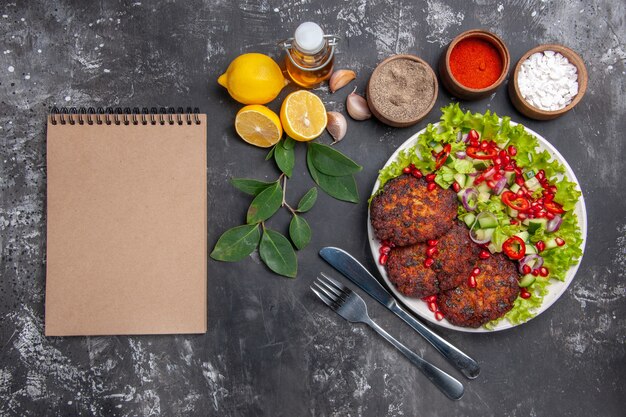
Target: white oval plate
[556,288]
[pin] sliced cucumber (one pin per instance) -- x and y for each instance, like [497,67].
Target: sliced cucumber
[510,177]
[529,174]
[483,188]
[469,219]
[511,212]
[461,179]
[480,164]
[523,235]
[492,248]
[535,224]
[484,234]
[515,188]
[438,148]
[483,196]
[530,250]
[551,244]
[533,184]
[486,222]
[526,280]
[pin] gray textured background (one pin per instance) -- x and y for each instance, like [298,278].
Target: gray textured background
[272,349]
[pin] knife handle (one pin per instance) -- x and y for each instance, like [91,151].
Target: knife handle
[468,366]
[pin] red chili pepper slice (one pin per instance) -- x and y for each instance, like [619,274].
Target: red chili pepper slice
[514,201]
[514,247]
[443,156]
[473,152]
[553,207]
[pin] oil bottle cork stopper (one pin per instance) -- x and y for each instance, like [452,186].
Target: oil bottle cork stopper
[309,38]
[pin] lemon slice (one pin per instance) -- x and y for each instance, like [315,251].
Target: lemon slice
[258,125]
[303,116]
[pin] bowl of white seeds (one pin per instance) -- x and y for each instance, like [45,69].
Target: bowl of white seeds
[548,81]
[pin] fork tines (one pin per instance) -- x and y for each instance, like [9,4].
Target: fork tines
[330,291]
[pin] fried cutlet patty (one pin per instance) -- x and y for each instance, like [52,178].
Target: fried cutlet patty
[496,290]
[405,212]
[456,257]
[406,270]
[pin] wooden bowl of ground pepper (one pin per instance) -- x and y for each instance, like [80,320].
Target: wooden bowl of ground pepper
[402,90]
[474,65]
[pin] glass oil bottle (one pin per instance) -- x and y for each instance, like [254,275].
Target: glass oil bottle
[310,55]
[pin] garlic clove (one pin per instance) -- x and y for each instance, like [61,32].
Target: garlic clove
[357,107]
[337,125]
[340,78]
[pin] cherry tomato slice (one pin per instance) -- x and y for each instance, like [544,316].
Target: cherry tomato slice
[514,201]
[514,247]
[553,207]
[473,152]
[443,156]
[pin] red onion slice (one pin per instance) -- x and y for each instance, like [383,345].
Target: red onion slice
[469,199]
[461,155]
[500,186]
[472,235]
[534,259]
[554,224]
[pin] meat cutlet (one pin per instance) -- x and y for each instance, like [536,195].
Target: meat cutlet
[405,212]
[456,257]
[406,270]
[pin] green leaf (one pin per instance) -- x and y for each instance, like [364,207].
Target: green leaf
[299,231]
[307,200]
[270,153]
[278,254]
[265,204]
[285,159]
[250,186]
[342,188]
[288,143]
[236,243]
[332,162]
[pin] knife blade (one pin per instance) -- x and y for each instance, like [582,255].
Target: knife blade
[352,269]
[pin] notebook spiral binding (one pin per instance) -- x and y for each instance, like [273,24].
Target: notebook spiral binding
[125,116]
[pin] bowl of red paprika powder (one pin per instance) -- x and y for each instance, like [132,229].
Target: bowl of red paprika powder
[474,65]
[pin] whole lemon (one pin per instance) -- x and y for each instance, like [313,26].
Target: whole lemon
[253,79]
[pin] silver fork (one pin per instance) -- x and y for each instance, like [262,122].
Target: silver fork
[351,307]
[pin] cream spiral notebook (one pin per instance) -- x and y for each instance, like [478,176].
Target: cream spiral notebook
[126,222]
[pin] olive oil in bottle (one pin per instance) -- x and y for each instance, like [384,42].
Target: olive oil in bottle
[310,55]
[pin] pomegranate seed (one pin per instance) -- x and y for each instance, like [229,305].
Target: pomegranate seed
[493,144]
[430,298]
[472,135]
[474,143]
[519,181]
[439,315]
[406,170]
[543,271]
[521,216]
[549,216]
[431,251]
[531,216]
[512,150]
[456,187]
[432,242]
[526,270]
[552,189]
[559,241]
[475,271]
[428,262]
[484,254]
[513,222]
[431,186]
[416,173]
[541,174]
[497,161]
[491,183]
[540,246]
[497,176]
[535,272]
[505,159]
[471,281]
[509,168]
[502,153]
[484,145]
[384,250]
[432,306]
[383,259]
[524,293]
[520,193]
[431,177]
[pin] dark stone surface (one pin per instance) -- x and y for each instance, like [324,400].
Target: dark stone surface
[272,349]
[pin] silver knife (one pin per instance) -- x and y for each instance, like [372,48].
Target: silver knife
[345,263]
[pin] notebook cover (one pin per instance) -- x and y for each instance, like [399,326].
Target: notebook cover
[126,229]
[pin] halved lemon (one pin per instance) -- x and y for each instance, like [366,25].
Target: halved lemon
[258,125]
[303,116]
